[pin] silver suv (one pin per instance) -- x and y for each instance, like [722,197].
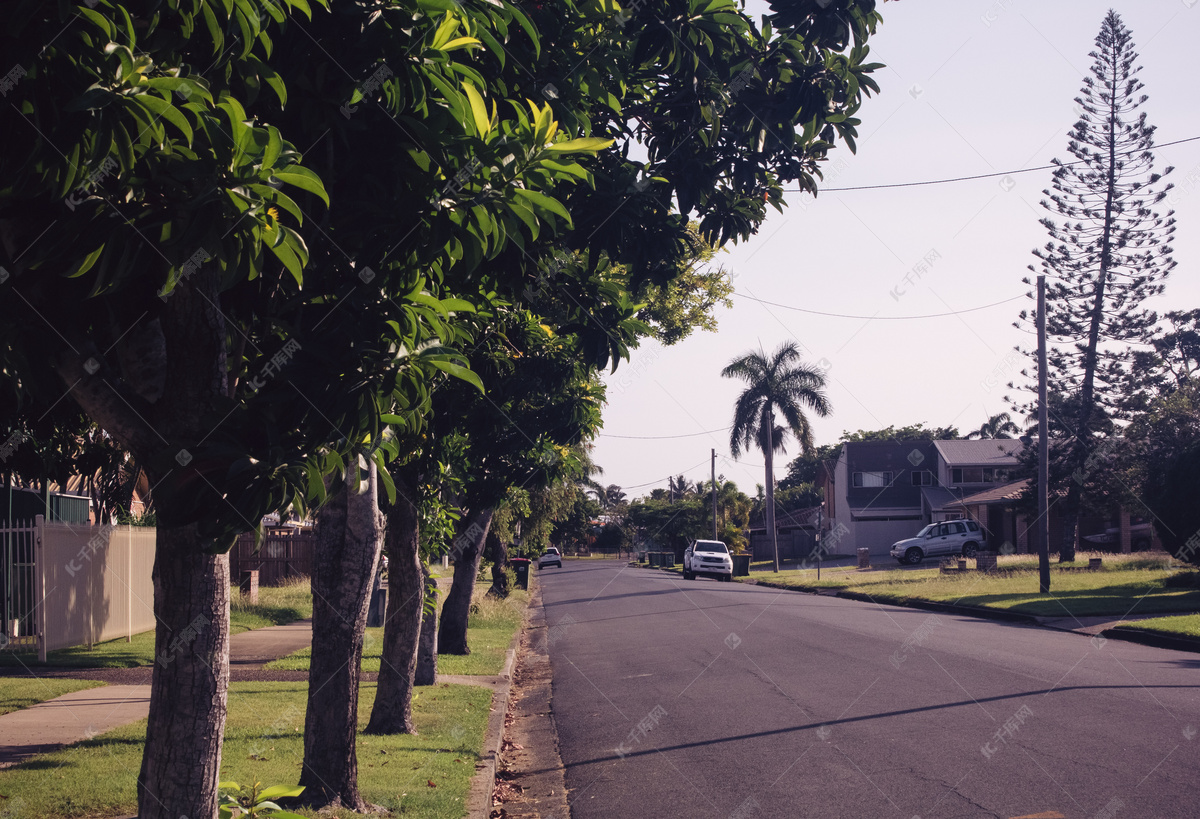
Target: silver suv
[951,537]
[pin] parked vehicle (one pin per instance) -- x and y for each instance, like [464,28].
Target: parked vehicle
[550,557]
[951,537]
[1110,539]
[707,558]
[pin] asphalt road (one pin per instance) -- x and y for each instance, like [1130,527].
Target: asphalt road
[697,699]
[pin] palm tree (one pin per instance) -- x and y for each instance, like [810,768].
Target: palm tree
[679,488]
[612,496]
[783,385]
[998,426]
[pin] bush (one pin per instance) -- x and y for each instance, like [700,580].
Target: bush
[1171,495]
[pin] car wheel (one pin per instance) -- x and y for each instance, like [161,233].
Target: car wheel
[970,549]
[687,575]
[914,556]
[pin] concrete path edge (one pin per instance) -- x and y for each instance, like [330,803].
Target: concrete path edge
[479,798]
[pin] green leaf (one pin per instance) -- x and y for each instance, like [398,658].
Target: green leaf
[281,792]
[458,371]
[542,202]
[483,123]
[385,478]
[304,179]
[274,146]
[165,110]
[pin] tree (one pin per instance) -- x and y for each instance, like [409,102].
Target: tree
[1000,425]
[612,496]
[779,384]
[171,286]
[671,524]
[1110,251]
[912,432]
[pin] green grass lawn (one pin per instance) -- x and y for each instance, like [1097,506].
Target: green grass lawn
[21,692]
[264,742]
[1128,584]
[489,632]
[1186,625]
[277,605]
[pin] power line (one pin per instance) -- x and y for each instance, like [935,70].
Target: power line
[969,178]
[669,477]
[878,317]
[662,437]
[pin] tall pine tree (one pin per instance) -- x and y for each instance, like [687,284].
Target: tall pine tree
[1108,252]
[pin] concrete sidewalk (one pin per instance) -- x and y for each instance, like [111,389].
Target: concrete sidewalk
[70,718]
[261,646]
[82,715]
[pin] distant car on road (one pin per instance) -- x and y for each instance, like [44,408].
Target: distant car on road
[707,558]
[951,537]
[550,557]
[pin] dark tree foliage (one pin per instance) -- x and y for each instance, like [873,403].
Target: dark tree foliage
[1109,250]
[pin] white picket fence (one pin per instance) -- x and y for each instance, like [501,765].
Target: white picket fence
[67,585]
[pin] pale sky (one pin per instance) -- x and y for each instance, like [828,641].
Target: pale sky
[971,87]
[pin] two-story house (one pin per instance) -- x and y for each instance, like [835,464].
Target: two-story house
[882,492]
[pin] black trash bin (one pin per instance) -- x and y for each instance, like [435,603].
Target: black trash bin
[741,565]
[521,567]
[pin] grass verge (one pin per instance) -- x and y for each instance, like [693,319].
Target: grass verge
[490,630]
[1127,584]
[427,775]
[277,606]
[1186,625]
[21,692]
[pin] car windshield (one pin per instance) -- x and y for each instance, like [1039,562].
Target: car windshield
[927,530]
[711,546]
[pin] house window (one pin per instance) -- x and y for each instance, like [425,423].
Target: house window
[872,479]
[975,474]
[922,477]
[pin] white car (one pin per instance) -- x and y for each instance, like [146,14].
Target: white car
[707,558]
[951,537]
[550,557]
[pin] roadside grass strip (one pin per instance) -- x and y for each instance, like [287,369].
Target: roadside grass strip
[21,692]
[1186,625]
[1125,585]
[425,776]
[490,630]
[277,606]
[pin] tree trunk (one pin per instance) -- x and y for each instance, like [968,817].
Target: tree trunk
[468,548]
[498,554]
[427,646]
[188,690]
[392,711]
[345,559]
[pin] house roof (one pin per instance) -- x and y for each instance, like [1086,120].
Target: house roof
[940,498]
[997,494]
[985,452]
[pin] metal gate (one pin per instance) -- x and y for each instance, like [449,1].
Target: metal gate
[18,578]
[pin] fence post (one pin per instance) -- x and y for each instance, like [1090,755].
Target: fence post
[129,586]
[39,580]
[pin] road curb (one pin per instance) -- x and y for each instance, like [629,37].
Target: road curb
[1151,638]
[479,798]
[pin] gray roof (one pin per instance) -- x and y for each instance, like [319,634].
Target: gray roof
[939,498]
[985,452]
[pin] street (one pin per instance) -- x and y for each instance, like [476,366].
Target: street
[676,698]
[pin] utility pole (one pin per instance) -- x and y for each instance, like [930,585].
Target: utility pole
[714,492]
[771,484]
[1043,527]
